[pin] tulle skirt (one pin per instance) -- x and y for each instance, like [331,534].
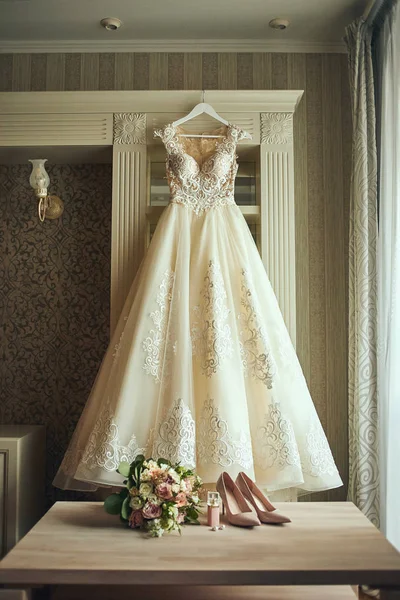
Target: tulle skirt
[201,369]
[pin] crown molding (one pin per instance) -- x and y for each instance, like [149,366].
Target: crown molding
[144,101]
[79,46]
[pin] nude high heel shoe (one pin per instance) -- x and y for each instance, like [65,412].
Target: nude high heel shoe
[237,510]
[263,506]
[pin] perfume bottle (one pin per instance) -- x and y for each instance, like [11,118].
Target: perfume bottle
[213,504]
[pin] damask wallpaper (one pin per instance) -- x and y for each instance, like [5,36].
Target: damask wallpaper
[54,300]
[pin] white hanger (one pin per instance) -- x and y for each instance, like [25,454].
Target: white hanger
[199,109]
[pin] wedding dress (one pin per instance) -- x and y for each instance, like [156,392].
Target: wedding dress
[201,368]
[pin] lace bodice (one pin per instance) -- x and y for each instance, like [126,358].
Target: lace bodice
[209,180]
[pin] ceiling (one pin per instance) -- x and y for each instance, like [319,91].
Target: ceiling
[46,23]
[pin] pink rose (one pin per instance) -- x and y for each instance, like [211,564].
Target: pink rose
[189,484]
[181,518]
[151,511]
[180,499]
[164,491]
[136,519]
[156,473]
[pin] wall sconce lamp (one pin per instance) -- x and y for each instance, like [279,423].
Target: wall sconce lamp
[49,207]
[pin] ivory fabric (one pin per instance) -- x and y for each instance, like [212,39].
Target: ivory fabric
[201,368]
[363,404]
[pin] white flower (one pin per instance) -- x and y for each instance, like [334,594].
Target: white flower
[154,499]
[183,486]
[145,489]
[172,473]
[173,512]
[171,524]
[195,499]
[136,502]
[145,475]
[175,488]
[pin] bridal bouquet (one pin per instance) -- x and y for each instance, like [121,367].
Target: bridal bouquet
[158,497]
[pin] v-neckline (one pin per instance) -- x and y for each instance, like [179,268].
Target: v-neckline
[218,144]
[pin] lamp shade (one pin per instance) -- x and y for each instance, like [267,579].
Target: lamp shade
[39,178]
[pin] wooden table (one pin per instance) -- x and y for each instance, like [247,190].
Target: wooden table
[327,544]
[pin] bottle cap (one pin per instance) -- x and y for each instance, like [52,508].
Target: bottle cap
[213,499]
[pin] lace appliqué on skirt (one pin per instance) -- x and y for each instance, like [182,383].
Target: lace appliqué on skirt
[155,343]
[176,438]
[104,448]
[210,332]
[256,357]
[275,444]
[319,459]
[215,444]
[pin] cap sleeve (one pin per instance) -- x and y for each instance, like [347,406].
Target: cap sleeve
[166,134]
[236,133]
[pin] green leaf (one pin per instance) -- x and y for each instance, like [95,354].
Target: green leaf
[140,458]
[125,510]
[124,468]
[192,513]
[163,461]
[124,493]
[113,504]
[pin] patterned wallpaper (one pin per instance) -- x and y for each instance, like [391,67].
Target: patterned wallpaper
[54,300]
[322,181]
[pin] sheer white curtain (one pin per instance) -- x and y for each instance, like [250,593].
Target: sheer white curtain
[388,259]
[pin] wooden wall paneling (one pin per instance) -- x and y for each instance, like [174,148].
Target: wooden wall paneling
[175,71]
[73,67]
[279,79]
[316,236]
[193,75]
[21,74]
[336,364]
[245,71]
[123,71]
[347,156]
[262,71]
[106,70]
[90,71]
[158,71]
[297,80]
[38,72]
[6,72]
[316,243]
[227,71]
[55,72]
[141,71]
[210,71]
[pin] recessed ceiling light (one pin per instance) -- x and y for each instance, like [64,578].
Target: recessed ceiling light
[111,23]
[279,24]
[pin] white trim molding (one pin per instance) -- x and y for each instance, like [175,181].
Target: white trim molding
[129,128]
[228,45]
[128,222]
[277,211]
[276,128]
[148,101]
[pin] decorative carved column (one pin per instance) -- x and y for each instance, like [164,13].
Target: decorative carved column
[128,205]
[277,211]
